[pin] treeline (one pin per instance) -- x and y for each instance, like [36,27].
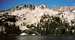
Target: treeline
[53,25]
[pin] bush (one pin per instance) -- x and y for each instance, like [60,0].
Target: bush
[53,25]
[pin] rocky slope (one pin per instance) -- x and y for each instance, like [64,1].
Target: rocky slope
[28,15]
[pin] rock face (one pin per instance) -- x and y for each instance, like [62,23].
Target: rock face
[30,15]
